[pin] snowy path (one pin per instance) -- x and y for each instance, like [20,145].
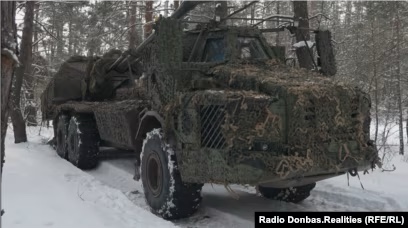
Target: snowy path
[42,190]
[39,189]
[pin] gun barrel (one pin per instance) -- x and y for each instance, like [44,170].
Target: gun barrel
[184,8]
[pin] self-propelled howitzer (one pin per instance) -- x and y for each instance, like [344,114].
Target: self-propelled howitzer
[210,105]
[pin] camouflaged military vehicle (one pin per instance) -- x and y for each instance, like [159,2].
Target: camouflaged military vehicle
[209,105]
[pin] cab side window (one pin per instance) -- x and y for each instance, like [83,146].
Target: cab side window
[214,50]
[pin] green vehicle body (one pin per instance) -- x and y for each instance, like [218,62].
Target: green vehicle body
[234,112]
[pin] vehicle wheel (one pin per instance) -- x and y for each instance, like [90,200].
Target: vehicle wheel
[61,135]
[292,194]
[164,191]
[83,142]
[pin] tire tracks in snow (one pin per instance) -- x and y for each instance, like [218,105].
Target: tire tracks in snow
[93,191]
[117,173]
[219,209]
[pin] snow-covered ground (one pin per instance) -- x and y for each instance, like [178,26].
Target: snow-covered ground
[39,189]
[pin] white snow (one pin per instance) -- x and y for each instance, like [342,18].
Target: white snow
[77,124]
[260,96]
[143,76]
[283,15]
[171,166]
[31,103]
[13,45]
[303,44]
[215,91]
[12,54]
[149,135]
[42,190]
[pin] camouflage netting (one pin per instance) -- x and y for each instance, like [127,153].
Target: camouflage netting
[117,123]
[83,78]
[100,82]
[307,124]
[67,84]
[116,120]
[237,122]
[161,61]
[68,81]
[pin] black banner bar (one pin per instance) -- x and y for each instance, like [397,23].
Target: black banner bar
[266,219]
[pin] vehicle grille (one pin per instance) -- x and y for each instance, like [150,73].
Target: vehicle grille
[212,117]
[326,111]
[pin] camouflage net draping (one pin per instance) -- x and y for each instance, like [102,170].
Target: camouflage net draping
[322,113]
[309,122]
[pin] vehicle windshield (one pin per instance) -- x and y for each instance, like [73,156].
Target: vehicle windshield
[248,48]
[214,50]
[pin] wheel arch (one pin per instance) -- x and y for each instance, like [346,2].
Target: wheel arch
[149,121]
[172,198]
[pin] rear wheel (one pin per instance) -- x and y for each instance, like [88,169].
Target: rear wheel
[292,194]
[83,142]
[164,191]
[61,135]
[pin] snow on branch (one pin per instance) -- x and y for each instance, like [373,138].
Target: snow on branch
[283,15]
[10,54]
[303,44]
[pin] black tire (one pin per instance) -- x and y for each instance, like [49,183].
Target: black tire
[83,142]
[292,194]
[164,191]
[61,135]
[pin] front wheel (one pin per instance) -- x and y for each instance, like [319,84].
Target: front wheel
[292,194]
[164,191]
